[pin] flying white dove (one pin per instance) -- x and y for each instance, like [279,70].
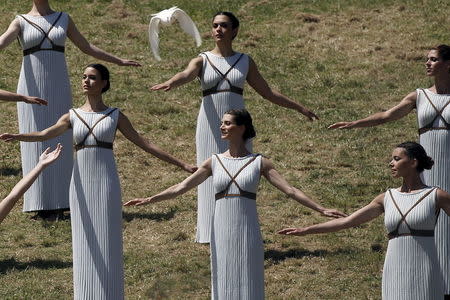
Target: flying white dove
[168,17]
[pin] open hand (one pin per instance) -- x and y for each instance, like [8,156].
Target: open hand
[161,86]
[341,125]
[333,213]
[190,168]
[8,137]
[138,202]
[309,114]
[48,157]
[128,63]
[34,100]
[293,231]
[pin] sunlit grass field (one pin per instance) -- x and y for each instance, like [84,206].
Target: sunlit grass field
[342,59]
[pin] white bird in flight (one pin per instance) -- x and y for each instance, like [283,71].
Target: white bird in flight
[168,17]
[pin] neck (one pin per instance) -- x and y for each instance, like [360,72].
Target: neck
[412,183]
[41,8]
[236,148]
[223,49]
[442,84]
[94,103]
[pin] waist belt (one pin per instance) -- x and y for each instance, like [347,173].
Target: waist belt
[105,145]
[214,90]
[38,48]
[241,194]
[414,232]
[426,129]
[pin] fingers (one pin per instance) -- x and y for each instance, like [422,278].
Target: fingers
[287,231]
[136,202]
[41,101]
[130,63]
[7,137]
[58,149]
[46,151]
[339,125]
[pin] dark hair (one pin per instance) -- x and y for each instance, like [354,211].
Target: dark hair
[416,151]
[443,51]
[242,117]
[104,74]
[234,21]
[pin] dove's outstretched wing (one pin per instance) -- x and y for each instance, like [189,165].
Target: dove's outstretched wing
[187,25]
[153,35]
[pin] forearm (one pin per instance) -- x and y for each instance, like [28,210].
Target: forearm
[19,189]
[330,226]
[170,193]
[301,198]
[98,53]
[180,79]
[9,96]
[284,101]
[373,120]
[159,153]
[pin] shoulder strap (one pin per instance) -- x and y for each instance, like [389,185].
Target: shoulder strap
[403,219]
[42,30]
[233,178]
[439,112]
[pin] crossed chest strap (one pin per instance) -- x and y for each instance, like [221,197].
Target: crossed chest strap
[38,47]
[430,126]
[215,89]
[100,144]
[412,232]
[242,193]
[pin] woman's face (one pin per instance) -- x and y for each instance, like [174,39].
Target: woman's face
[401,165]
[229,129]
[92,82]
[435,65]
[222,29]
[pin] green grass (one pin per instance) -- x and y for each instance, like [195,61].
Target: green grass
[342,59]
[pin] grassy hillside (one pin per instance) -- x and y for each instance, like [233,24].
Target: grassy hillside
[342,59]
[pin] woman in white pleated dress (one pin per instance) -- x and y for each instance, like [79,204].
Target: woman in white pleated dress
[95,195]
[42,34]
[433,117]
[222,73]
[237,251]
[411,267]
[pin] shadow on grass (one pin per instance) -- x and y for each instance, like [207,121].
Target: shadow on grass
[277,256]
[10,171]
[12,264]
[159,216]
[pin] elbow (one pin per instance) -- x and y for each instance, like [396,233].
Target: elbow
[291,192]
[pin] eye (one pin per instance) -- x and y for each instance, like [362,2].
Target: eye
[215,25]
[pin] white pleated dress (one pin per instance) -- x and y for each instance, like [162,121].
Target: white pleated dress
[237,251]
[411,267]
[437,146]
[44,74]
[208,139]
[96,211]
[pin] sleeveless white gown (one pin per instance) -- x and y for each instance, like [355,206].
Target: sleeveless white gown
[437,146]
[96,211]
[44,74]
[208,139]
[237,250]
[411,267]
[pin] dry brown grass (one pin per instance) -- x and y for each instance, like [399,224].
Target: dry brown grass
[343,59]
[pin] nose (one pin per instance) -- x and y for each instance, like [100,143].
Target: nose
[391,163]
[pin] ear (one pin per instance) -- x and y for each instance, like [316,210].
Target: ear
[105,82]
[235,32]
[414,163]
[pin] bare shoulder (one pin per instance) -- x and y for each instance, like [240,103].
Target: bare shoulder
[411,97]
[266,164]
[379,200]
